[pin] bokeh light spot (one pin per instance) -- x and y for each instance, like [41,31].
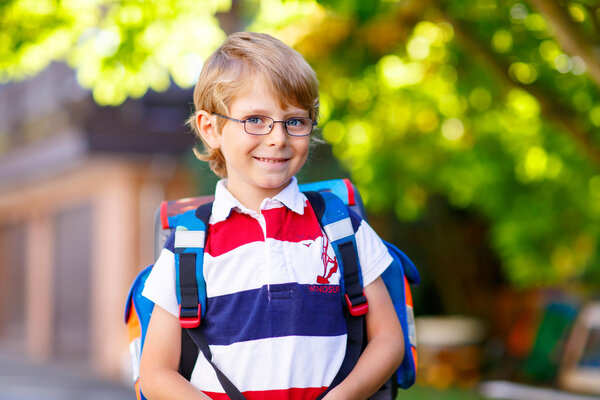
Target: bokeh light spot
[502,41]
[523,72]
[395,73]
[595,115]
[418,48]
[577,12]
[426,121]
[563,63]
[453,129]
[549,50]
[536,161]
[518,12]
[480,99]
[579,66]
[334,131]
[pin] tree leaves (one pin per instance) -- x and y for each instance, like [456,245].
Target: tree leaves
[492,105]
[120,49]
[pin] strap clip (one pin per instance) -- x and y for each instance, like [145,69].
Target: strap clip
[189,318]
[359,306]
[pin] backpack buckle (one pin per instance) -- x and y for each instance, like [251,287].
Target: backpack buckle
[189,318]
[359,306]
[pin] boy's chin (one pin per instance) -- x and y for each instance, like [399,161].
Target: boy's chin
[275,184]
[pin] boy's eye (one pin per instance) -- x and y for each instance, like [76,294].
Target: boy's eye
[298,123]
[293,122]
[258,120]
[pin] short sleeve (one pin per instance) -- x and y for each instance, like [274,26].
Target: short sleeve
[372,252]
[160,285]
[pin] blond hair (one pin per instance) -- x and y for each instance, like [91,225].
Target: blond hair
[241,57]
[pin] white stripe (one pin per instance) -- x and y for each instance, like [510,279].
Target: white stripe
[261,364]
[286,262]
[256,264]
[189,239]
[339,230]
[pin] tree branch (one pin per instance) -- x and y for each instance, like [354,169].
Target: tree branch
[560,115]
[572,39]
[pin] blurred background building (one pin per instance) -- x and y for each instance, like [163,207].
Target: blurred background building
[78,186]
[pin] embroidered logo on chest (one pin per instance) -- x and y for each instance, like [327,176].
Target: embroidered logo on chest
[330,264]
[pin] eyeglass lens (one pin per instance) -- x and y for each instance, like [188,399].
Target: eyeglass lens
[260,125]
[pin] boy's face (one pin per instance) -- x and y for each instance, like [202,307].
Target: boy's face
[261,166]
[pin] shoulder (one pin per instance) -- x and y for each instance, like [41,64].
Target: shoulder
[160,284]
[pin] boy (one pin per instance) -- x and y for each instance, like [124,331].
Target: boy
[256,104]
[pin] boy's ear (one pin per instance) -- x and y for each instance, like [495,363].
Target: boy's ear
[207,127]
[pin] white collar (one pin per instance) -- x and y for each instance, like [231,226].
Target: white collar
[224,202]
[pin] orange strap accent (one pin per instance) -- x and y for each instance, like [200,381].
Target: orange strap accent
[408,293]
[133,325]
[138,392]
[409,301]
[414,353]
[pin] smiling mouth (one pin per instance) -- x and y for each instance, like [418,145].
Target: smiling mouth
[272,160]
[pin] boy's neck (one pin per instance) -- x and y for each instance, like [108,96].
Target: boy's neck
[251,197]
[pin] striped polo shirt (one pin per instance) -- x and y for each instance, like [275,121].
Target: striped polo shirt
[274,318]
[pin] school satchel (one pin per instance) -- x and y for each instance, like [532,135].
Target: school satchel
[333,202]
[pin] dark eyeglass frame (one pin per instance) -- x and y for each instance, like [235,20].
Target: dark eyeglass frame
[285,126]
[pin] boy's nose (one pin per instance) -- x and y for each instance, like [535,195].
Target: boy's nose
[278,135]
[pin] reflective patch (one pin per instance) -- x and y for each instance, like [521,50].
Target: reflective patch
[339,230]
[193,239]
[135,352]
[412,330]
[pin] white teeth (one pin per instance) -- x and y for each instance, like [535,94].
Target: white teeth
[269,160]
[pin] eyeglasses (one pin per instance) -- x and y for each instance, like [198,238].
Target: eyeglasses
[261,125]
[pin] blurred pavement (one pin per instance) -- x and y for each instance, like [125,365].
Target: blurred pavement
[22,380]
[514,391]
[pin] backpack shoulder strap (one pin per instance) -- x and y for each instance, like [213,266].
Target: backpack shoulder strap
[317,202]
[195,335]
[334,218]
[192,228]
[188,276]
[190,239]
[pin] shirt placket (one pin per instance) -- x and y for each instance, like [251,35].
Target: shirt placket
[266,253]
[278,269]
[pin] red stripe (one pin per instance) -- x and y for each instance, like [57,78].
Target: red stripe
[351,199]
[283,394]
[285,225]
[237,230]
[164,218]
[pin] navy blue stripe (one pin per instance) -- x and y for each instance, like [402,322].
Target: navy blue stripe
[355,218]
[282,310]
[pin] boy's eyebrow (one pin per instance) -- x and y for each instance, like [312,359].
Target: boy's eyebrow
[288,113]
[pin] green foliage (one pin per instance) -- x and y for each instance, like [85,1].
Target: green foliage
[119,48]
[479,102]
[418,392]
